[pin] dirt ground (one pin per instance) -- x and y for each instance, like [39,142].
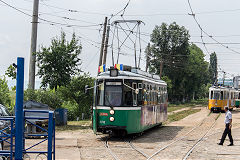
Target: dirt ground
[83,144]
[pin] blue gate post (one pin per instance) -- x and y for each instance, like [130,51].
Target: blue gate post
[19,110]
[50,135]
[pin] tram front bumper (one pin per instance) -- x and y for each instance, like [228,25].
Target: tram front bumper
[216,109]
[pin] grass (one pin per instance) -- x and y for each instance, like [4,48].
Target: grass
[180,115]
[194,103]
[172,108]
[75,125]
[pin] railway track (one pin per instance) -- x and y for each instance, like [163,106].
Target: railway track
[200,139]
[136,149]
[184,136]
[129,142]
[107,146]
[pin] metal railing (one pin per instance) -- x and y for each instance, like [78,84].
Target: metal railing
[7,136]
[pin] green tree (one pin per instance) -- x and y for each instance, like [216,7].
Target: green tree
[4,93]
[59,62]
[184,67]
[75,94]
[11,72]
[196,73]
[170,45]
[213,68]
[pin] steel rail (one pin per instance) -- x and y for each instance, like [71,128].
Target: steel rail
[200,140]
[177,140]
[106,145]
[136,149]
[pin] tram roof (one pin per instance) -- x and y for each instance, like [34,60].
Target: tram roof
[135,75]
[219,88]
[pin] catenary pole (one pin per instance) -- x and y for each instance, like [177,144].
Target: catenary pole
[106,46]
[31,82]
[103,40]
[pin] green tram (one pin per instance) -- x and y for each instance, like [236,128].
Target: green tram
[237,98]
[128,101]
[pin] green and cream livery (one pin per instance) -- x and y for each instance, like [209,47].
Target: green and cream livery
[128,101]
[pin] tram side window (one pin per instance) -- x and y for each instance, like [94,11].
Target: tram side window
[151,95]
[226,95]
[134,94]
[238,95]
[221,96]
[127,95]
[159,95]
[100,93]
[144,93]
[211,95]
[148,95]
[162,94]
[140,94]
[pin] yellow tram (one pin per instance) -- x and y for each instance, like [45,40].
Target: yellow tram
[219,97]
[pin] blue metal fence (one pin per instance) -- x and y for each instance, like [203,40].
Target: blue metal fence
[7,134]
[14,130]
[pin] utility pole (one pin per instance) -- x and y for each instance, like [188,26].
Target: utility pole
[31,82]
[103,40]
[106,46]
[147,56]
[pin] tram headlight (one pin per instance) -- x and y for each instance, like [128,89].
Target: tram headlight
[112,112]
[111,119]
[113,72]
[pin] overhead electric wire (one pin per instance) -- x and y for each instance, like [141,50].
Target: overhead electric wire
[71,10]
[45,20]
[218,43]
[194,17]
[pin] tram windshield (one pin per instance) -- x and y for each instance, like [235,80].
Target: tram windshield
[218,95]
[113,95]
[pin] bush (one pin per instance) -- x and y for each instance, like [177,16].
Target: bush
[75,93]
[4,93]
[49,97]
[72,110]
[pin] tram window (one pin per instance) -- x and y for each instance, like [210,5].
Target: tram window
[216,95]
[221,96]
[211,95]
[226,95]
[151,96]
[100,93]
[159,97]
[238,95]
[140,97]
[139,85]
[134,85]
[127,95]
[156,97]
[113,96]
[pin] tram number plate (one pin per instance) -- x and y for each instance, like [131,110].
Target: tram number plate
[103,122]
[103,114]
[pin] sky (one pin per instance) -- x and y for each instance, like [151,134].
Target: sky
[218,18]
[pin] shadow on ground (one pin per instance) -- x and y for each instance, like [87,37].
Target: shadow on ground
[156,134]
